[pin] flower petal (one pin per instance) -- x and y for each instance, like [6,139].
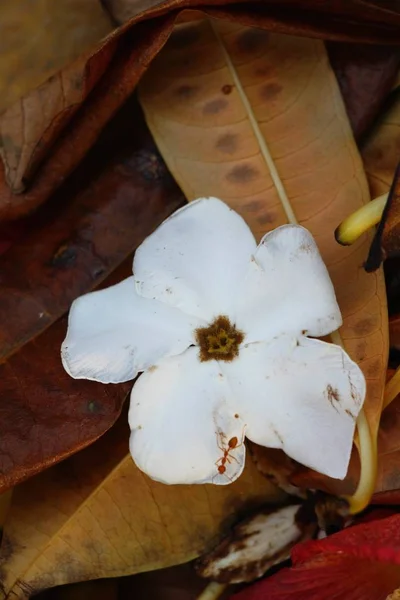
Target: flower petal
[114,333]
[287,288]
[196,259]
[181,423]
[302,396]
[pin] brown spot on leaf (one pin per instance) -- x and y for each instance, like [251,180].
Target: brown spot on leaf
[227,143]
[152,368]
[253,206]
[185,91]
[264,71]
[365,326]
[266,218]
[374,368]
[227,89]
[213,107]
[252,40]
[270,91]
[242,173]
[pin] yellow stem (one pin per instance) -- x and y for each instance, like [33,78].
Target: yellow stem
[392,389]
[367,450]
[360,221]
[368,469]
[213,591]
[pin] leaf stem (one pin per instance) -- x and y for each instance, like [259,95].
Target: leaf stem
[367,450]
[392,389]
[213,591]
[360,221]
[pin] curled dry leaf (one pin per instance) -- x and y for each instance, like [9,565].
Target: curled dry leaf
[96,515]
[119,61]
[95,222]
[365,75]
[361,562]
[257,119]
[256,545]
[29,128]
[39,38]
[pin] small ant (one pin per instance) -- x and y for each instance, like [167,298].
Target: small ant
[221,462]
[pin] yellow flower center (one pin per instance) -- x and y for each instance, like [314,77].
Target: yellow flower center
[219,341]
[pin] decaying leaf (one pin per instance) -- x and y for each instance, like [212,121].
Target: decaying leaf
[118,196]
[381,152]
[120,193]
[255,545]
[40,37]
[29,128]
[96,515]
[257,120]
[359,563]
[132,47]
[365,75]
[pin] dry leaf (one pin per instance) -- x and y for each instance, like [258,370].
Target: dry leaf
[240,114]
[118,196]
[394,331]
[96,515]
[257,544]
[381,152]
[39,37]
[29,128]
[131,48]
[365,75]
[121,192]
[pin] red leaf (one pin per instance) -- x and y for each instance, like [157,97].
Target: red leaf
[359,563]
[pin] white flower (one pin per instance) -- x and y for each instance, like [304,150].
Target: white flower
[220,326]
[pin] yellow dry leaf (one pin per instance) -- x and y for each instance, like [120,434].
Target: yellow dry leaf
[96,515]
[382,151]
[257,119]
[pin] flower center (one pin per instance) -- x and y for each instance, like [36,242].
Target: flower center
[219,341]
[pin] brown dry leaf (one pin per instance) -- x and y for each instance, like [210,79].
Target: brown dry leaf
[96,515]
[394,331]
[132,47]
[39,37]
[29,128]
[365,75]
[240,114]
[381,152]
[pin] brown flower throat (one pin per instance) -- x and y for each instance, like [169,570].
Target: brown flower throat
[219,341]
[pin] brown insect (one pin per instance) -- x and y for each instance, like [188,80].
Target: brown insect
[221,462]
